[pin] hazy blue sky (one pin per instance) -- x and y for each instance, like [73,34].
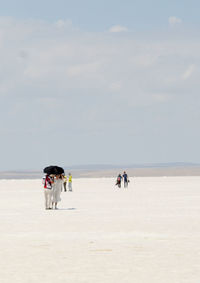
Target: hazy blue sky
[108,82]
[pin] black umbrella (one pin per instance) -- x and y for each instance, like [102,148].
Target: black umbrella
[54,170]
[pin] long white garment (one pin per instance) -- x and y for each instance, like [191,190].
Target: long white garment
[48,198]
[57,188]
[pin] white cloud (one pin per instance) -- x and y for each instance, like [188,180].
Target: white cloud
[174,21]
[42,55]
[118,28]
[115,86]
[160,97]
[46,61]
[189,71]
[83,69]
[145,60]
[58,81]
[63,24]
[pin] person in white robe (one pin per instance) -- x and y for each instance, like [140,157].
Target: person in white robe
[57,188]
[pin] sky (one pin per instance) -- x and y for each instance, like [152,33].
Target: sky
[98,82]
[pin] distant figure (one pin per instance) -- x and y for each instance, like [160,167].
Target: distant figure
[65,183]
[126,181]
[70,182]
[57,188]
[119,180]
[47,182]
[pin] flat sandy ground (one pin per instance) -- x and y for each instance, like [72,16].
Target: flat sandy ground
[147,233]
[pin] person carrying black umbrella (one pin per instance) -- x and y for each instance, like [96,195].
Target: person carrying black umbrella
[57,188]
[56,183]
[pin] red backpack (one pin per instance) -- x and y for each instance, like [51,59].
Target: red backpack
[47,183]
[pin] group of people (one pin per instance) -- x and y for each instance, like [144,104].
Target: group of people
[53,186]
[121,178]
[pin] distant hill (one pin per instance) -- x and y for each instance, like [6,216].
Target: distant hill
[100,170]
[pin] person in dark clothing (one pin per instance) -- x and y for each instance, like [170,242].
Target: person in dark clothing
[65,183]
[119,180]
[126,181]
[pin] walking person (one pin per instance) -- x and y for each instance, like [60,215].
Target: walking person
[65,183]
[70,182]
[126,180]
[47,182]
[119,180]
[57,188]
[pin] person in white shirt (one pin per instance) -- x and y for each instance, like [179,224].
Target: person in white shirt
[57,188]
[47,182]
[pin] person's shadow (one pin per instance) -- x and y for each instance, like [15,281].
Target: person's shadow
[70,208]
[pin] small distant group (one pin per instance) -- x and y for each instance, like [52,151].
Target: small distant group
[53,186]
[123,177]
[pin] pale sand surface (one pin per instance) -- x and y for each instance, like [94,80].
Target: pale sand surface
[148,233]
